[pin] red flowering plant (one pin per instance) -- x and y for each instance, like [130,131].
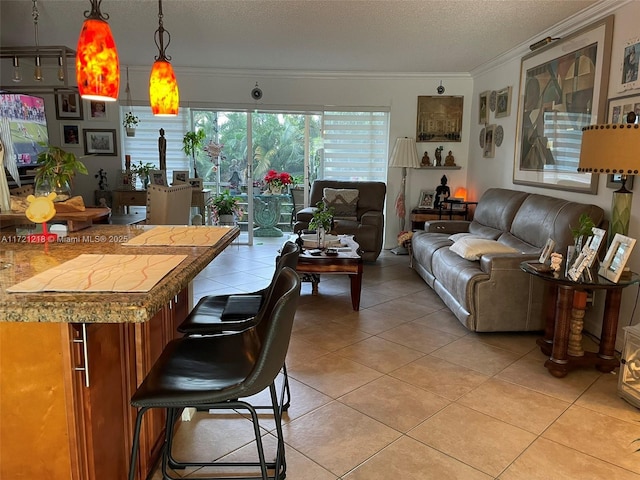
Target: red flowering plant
[274,180]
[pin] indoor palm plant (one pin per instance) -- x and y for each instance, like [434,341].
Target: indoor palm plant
[225,208]
[55,171]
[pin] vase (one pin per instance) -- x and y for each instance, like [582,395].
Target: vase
[275,189]
[62,190]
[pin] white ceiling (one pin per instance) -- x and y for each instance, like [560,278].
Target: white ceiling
[401,36]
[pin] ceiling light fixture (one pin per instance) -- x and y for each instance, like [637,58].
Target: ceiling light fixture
[163,86]
[97,65]
[37,72]
[17,71]
[61,72]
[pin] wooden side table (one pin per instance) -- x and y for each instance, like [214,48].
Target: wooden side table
[564,297]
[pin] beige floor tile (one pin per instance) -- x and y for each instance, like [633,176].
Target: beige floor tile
[547,460]
[516,405]
[418,337]
[603,397]
[408,459]
[395,403]
[370,321]
[440,377]
[330,335]
[598,435]
[444,321]
[479,356]
[302,351]
[333,375]
[520,343]
[379,354]
[530,372]
[471,437]
[338,437]
[402,309]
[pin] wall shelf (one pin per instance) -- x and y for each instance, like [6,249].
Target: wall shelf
[457,167]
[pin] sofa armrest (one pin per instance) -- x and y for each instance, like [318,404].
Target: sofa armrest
[504,261]
[371,217]
[447,226]
[306,214]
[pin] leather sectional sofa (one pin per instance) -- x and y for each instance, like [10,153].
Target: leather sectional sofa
[491,293]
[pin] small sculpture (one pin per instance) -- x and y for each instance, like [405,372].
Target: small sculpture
[426,161]
[438,157]
[556,261]
[442,192]
[449,161]
[162,150]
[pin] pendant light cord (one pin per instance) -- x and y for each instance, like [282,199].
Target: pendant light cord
[159,36]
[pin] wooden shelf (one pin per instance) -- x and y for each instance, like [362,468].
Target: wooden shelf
[457,167]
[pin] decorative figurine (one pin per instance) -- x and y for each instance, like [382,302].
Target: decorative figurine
[438,156]
[449,161]
[556,261]
[426,161]
[162,150]
[442,192]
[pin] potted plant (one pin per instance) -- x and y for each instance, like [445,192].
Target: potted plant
[130,123]
[225,208]
[322,217]
[142,172]
[191,143]
[55,171]
[275,181]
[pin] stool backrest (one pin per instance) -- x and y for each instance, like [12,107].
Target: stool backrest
[289,254]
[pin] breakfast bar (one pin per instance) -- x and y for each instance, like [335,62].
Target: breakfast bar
[70,360]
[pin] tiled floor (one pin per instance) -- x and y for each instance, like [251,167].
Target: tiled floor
[400,390]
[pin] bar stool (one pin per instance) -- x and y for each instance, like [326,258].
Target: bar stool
[215,372]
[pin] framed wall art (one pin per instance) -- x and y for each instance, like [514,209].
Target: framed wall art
[99,141]
[489,150]
[562,89]
[439,119]
[629,70]
[68,106]
[483,108]
[158,177]
[70,135]
[97,110]
[618,108]
[503,102]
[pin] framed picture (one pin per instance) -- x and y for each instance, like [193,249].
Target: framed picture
[489,150]
[616,258]
[70,135]
[439,119]
[615,181]
[196,183]
[582,262]
[629,70]
[618,108]
[97,110]
[483,110]
[562,89]
[68,106]
[596,242]
[158,177]
[180,176]
[426,198]
[503,102]
[126,180]
[99,141]
[545,255]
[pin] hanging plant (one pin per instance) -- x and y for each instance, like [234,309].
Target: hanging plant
[191,143]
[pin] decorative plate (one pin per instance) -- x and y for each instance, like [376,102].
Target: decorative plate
[492,100]
[499,135]
[482,134]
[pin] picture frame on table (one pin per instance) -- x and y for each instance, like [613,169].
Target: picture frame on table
[98,141]
[548,102]
[68,106]
[545,255]
[426,198]
[596,242]
[158,177]
[180,176]
[126,180]
[439,118]
[503,102]
[616,258]
[483,108]
[196,183]
[70,135]
[455,203]
[581,264]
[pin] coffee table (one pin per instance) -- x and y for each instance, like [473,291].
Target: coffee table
[347,262]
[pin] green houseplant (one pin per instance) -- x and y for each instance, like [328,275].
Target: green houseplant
[191,143]
[223,204]
[55,171]
[322,217]
[142,172]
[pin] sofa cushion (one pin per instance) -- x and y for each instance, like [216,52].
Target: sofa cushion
[457,236]
[472,248]
[344,202]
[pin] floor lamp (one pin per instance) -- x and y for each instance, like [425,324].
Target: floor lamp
[404,155]
[613,149]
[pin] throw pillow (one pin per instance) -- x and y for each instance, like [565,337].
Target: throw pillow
[344,202]
[473,248]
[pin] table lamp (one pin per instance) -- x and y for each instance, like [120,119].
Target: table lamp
[404,155]
[613,149]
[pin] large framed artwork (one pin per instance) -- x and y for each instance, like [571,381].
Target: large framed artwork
[563,87]
[439,119]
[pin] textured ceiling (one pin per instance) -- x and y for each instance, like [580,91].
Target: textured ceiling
[403,36]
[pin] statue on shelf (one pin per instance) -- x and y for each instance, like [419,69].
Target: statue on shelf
[426,161]
[162,150]
[449,161]
[442,192]
[438,157]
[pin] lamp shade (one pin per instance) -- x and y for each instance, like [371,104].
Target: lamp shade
[163,89]
[404,153]
[97,65]
[611,149]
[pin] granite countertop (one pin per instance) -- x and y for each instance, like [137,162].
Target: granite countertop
[20,260]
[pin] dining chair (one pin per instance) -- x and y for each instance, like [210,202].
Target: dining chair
[169,205]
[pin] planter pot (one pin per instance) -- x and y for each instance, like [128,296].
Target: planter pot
[227,220]
[131,132]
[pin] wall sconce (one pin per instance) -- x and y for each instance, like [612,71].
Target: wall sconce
[163,86]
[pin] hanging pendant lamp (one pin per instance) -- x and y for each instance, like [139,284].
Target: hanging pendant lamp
[97,65]
[163,86]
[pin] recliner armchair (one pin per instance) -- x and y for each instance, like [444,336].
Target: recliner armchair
[368,224]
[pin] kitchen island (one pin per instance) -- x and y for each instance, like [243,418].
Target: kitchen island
[69,362]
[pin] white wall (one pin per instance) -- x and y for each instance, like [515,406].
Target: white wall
[498,172]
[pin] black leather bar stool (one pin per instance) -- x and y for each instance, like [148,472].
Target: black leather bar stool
[216,372]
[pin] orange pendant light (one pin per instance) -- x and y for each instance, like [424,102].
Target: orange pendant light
[97,65]
[163,86]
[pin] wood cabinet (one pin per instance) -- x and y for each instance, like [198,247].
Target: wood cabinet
[59,424]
